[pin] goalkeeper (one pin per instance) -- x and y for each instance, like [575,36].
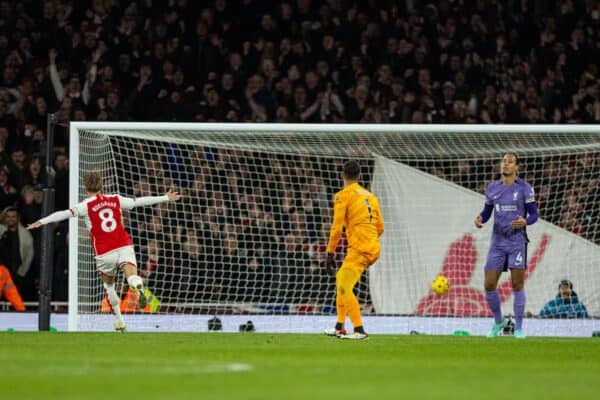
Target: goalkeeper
[357,210]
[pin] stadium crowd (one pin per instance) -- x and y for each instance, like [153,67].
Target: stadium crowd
[449,61]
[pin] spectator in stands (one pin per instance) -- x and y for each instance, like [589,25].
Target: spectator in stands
[35,172]
[143,98]
[8,193]
[16,247]
[149,269]
[60,278]
[292,269]
[3,141]
[412,62]
[29,210]
[566,304]
[316,283]
[61,180]
[16,166]
[505,64]
[190,271]
[227,269]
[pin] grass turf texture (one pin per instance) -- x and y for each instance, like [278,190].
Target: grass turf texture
[307,367]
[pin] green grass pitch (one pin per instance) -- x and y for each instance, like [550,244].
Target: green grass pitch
[285,366]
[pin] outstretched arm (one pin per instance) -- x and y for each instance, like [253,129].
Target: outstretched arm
[129,203]
[78,210]
[54,217]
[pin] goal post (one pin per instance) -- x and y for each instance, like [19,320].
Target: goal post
[73,242]
[247,240]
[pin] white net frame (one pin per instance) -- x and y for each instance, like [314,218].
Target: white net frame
[459,158]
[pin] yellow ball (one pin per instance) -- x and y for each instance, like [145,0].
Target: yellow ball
[440,284]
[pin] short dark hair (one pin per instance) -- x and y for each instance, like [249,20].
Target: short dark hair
[510,153]
[351,170]
[6,211]
[10,209]
[566,282]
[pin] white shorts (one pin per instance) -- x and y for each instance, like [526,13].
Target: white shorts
[107,263]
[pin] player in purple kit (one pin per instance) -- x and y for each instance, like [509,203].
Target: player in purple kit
[513,202]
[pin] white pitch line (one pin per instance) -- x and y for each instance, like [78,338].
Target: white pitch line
[180,368]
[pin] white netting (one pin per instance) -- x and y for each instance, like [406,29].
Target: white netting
[249,235]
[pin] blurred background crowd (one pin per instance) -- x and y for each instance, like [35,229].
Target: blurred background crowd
[371,61]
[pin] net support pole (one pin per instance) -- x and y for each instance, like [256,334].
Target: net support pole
[73,228]
[47,240]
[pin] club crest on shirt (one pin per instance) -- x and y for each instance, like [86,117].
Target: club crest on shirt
[515,195]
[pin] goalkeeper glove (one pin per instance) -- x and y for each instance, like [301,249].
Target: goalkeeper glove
[331,264]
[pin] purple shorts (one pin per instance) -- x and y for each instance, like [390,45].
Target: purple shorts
[502,258]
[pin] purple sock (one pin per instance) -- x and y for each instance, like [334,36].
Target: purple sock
[519,308]
[493,300]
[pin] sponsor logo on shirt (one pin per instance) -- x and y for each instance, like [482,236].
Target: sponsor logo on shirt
[508,208]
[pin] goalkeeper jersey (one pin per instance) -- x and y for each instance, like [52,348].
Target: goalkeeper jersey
[357,210]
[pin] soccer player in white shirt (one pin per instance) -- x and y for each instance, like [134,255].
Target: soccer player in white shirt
[112,244]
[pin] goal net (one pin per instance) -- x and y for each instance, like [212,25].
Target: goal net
[248,238]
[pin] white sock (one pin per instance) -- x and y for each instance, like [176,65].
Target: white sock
[113,299]
[135,282]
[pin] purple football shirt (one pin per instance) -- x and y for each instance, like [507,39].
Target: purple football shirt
[509,202]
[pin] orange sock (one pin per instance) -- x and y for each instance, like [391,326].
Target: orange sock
[354,311]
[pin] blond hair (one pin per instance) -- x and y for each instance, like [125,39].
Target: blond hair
[92,181]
